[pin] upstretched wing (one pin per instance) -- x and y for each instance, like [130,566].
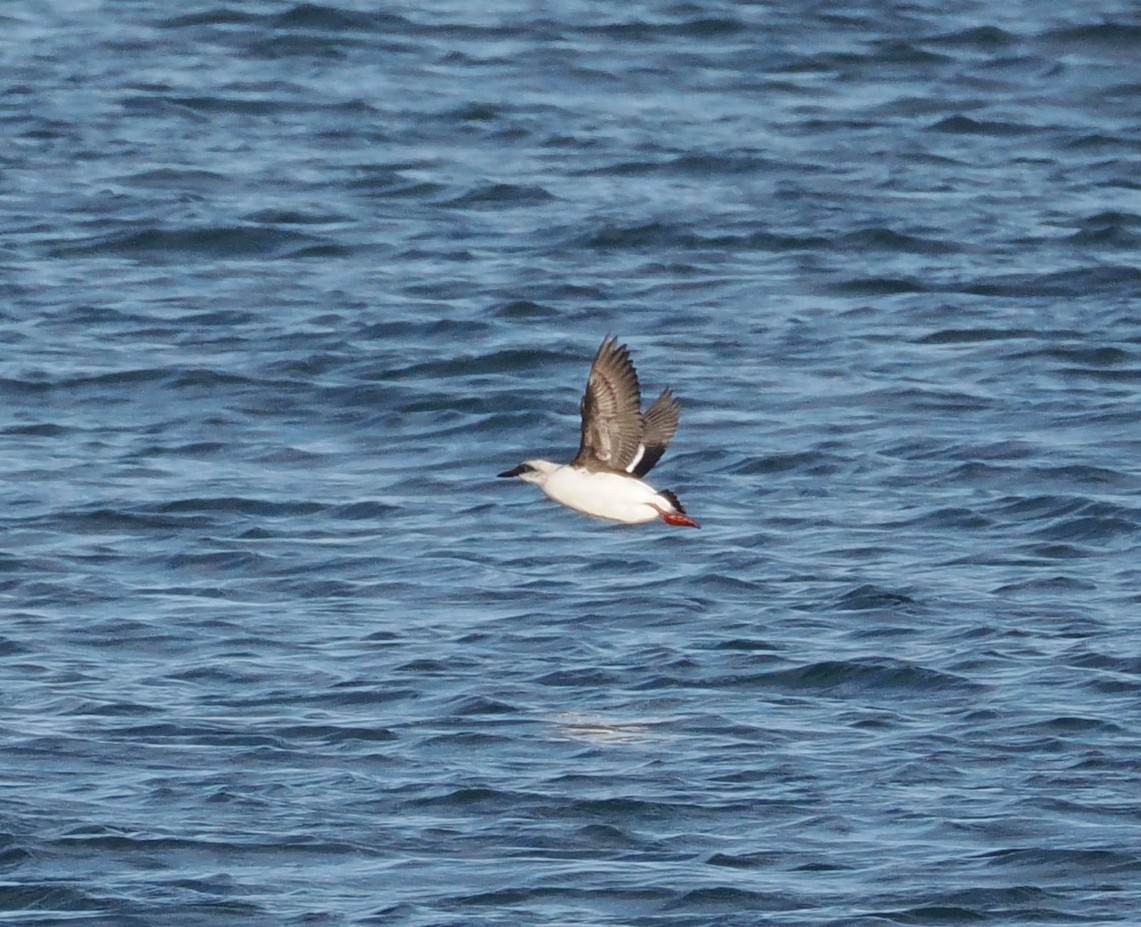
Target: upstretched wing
[611,412]
[659,425]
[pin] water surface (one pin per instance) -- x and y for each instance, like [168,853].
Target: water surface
[285,285]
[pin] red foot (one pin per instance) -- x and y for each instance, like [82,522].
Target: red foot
[679,520]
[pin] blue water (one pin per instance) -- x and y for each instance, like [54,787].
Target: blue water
[285,285]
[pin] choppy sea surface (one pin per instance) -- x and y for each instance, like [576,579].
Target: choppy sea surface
[285,285]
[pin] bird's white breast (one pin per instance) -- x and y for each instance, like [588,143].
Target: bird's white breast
[604,495]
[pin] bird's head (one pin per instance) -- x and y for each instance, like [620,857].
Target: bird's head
[532,471]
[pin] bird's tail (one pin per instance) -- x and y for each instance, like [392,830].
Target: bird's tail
[677,516]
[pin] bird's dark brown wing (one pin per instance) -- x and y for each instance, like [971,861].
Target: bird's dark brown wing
[611,411]
[659,426]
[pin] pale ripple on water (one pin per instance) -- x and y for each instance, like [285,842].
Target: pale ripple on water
[286,285]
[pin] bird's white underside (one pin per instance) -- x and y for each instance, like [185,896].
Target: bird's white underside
[601,494]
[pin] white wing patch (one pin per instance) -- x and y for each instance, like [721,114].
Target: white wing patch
[637,458]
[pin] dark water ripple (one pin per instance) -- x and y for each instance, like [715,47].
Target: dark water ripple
[285,284]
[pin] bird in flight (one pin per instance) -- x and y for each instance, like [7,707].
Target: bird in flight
[619,446]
